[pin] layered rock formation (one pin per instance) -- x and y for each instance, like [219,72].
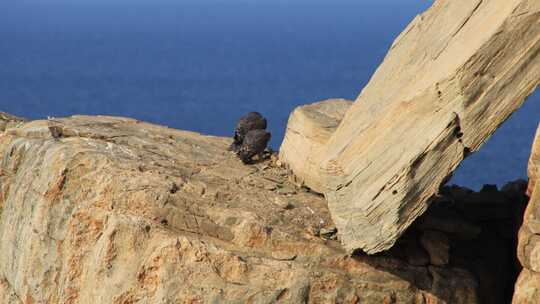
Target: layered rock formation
[528,284]
[449,80]
[9,121]
[308,130]
[113,210]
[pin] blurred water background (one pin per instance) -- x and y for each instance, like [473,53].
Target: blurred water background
[201,64]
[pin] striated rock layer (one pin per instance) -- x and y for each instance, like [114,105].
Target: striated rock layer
[308,130]
[449,80]
[113,210]
[527,288]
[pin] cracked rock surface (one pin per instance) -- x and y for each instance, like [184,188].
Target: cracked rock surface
[452,77]
[528,284]
[113,210]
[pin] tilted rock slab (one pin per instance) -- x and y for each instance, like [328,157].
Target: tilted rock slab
[308,130]
[113,210]
[455,74]
[527,289]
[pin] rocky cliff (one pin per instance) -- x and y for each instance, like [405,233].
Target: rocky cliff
[448,81]
[528,284]
[113,210]
[308,130]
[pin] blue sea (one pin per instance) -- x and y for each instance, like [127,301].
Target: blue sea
[201,64]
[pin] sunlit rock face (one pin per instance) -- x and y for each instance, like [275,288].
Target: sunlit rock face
[308,130]
[114,210]
[455,74]
[528,284]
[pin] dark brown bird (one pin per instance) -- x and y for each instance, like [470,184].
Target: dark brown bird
[56,131]
[254,143]
[248,122]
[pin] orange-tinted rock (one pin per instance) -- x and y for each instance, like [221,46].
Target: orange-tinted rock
[114,210]
[527,288]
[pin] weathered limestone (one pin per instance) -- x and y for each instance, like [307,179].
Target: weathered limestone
[308,130]
[449,80]
[8,121]
[113,210]
[527,289]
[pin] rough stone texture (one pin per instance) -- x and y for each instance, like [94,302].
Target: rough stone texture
[8,121]
[308,130]
[449,80]
[114,210]
[534,176]
[527,289]
[437,246]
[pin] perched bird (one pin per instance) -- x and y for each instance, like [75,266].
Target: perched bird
[254,143]
[56,131]
[248,122]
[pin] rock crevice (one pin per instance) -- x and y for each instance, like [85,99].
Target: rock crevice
[153,215]
[450,79]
